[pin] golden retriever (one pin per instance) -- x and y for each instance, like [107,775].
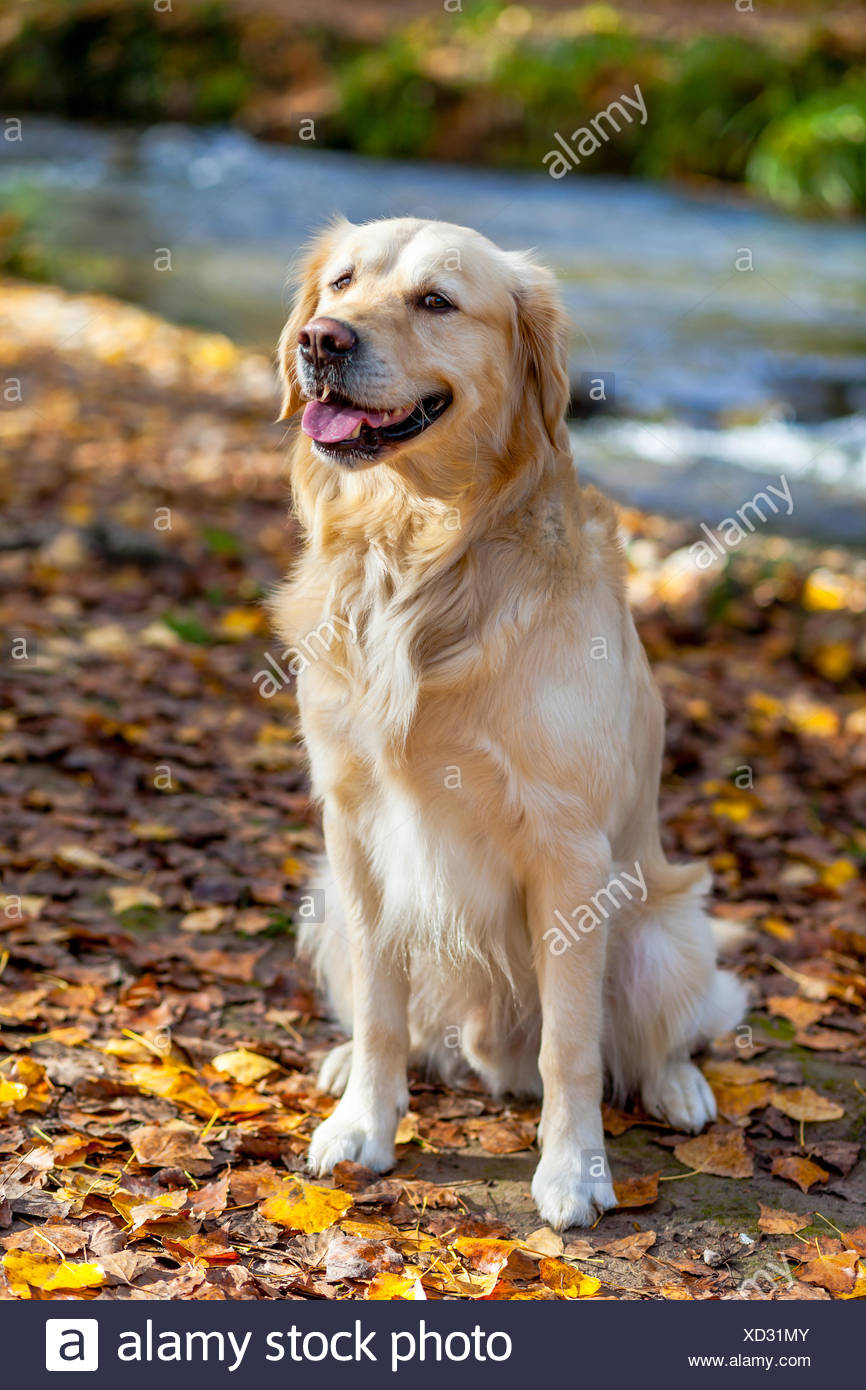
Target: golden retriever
[483,729]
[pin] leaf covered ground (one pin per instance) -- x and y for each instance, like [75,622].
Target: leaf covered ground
[158,1041]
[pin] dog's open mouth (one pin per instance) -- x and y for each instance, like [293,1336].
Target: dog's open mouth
[340,427]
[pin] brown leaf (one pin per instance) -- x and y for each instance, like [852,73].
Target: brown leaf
[502,1136]
[722,1152]
[173,1144]
[632,1247]
[351,1257]
[835,1273]
[805,1104]
[637,1192]
[776,1221]
[801,1012]
[799,1170]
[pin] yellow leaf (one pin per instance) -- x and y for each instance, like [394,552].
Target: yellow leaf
[245,1067]
[242,622]
[834,660]
[732,810]
[566,1281]
[172,1084]
[294,869]
[806,1104]
[395,1286]
[10,1091]
[783,931]
[825,592]
[46,1272]
[837,874]
[79,857]
[152,830]
[306,1207]
[125,896]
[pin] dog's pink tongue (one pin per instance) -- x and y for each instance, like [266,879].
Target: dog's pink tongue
[329,423]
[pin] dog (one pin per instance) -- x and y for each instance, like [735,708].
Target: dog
[483,730]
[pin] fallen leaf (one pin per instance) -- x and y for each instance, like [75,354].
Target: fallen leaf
[806,1104]
[125,896]
[243,1066]
[173,1144]
[776,1221]
[799,1170]
[24,1268]
[637,1192]
[722,1152]
[351,1257]
[801,1012]
[835,1273]
[632,1247]
[395,1286]
[305,1207]
[545,1241]
[566,1281]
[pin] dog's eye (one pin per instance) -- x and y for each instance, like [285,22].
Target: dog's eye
[435,302]
[342,281]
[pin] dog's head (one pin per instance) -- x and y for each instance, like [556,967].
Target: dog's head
[413,337]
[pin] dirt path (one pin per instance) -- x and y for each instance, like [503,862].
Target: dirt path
[158,1043]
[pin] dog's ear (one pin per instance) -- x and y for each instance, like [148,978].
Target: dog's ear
[307,286]
[542,332]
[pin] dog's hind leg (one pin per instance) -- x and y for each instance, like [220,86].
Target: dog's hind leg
[666,997]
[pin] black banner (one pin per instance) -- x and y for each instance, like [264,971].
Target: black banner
[340,1344]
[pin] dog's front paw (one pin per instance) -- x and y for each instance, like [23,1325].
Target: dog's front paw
[565,1199]
[348,1135]
[334,1071]
[681,1095]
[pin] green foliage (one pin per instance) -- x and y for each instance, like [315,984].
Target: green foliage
[719,94]
[386,103]
[491,83]
[124,62]
[813,159]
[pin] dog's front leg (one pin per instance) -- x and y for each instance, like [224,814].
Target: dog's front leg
[572,1184]
[363,1125]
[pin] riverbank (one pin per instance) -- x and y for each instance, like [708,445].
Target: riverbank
[776,102]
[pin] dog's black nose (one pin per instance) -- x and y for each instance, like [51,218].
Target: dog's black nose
[326,340]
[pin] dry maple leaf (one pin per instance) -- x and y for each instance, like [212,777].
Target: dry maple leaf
[485,1256]
[566,1281]
[632,1247]
[722,1152]
[174,1144]
[798,1170]
[305,1207]
[637,1192]
[352,1257]
[395,1286]
[835,1273]
[243,1066]
[806,1104]
[801,1012]
[545,1241]
[776,1221]
[26,1270]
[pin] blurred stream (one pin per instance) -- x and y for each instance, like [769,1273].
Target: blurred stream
[723,378]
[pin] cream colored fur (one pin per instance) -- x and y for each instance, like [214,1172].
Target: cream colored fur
[480,769]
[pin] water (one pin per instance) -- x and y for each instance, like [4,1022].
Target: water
[734,339]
